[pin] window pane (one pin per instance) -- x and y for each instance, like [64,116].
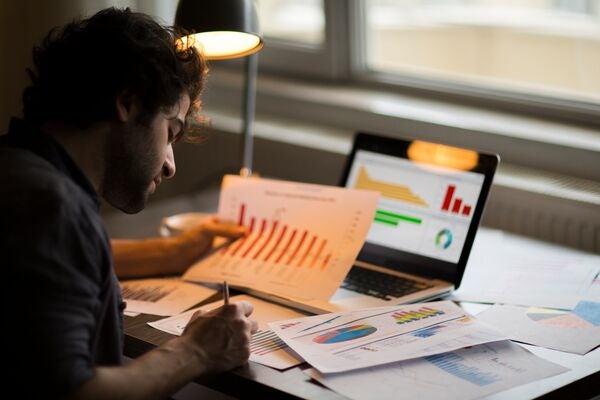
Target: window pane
[548,47]
[301,21]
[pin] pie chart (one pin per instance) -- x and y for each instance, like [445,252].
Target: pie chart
[345,334]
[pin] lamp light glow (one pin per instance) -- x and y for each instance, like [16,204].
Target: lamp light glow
[223,45]
[442,155]
[221,30]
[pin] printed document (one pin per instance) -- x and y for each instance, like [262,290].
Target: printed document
[162,296]
[345,341]
[552,282]
[458,375]
[265,347]
[302,241]
[574,332]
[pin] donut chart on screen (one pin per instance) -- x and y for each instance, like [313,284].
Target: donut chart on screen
[345,334]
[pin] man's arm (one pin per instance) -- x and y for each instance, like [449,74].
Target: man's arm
[168,256]
[211,343]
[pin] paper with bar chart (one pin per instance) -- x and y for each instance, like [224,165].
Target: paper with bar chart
[302,238]
[459,375]
[422,209]
[346,341]
[162,296]
[265,347]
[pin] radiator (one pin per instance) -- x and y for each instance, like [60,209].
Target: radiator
[546,206]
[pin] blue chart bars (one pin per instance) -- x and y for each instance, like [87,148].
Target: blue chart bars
[451,363]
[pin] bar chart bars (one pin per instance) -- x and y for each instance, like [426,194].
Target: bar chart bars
[389,190]
[455,204]
[453,364]
[145,293]
[301,238]
[279,244]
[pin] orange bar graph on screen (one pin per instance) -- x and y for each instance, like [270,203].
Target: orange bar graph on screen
[392,191]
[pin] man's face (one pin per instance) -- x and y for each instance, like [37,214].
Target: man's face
[139,157]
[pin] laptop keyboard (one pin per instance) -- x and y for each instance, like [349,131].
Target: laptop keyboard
[380,285]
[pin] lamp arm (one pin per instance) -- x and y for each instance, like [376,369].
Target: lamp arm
[251,68]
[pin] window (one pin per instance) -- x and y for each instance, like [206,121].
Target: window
[541,54]
[281,19]
[539,46]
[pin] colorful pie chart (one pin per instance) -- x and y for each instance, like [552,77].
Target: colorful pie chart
[345,334]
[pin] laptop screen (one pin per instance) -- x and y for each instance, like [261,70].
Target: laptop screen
[432,198]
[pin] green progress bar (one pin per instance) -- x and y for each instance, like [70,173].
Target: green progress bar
[389,217]
[386,221]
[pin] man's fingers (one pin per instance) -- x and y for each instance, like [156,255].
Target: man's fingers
[196,315]
[253,326]
[246,307]
[214,228]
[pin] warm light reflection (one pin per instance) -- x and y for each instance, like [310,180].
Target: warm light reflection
[223,45]
[442,155]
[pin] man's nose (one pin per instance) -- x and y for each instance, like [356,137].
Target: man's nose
[168,170]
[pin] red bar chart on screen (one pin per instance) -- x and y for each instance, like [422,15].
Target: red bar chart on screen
[454,204]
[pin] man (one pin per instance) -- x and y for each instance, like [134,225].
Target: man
[109,97]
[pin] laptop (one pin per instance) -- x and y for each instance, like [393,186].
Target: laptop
[432,199]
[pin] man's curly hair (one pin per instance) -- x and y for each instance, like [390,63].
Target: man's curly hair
[79,70]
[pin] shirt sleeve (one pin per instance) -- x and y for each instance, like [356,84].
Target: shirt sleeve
[52,282]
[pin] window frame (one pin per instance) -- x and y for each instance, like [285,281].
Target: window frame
[342,58]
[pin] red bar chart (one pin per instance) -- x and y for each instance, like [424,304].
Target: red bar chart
[454,204]
[286,246]
[301,238]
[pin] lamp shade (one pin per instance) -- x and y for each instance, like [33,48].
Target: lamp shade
[222,29]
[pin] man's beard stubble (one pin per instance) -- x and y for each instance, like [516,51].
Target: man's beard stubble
[129,171]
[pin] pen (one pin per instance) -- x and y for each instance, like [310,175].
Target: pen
[225,292]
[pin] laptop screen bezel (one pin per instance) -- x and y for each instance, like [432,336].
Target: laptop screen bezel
[413,263]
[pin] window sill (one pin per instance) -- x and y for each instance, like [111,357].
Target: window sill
[332,113]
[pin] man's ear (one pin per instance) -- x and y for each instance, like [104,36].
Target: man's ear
[125,106]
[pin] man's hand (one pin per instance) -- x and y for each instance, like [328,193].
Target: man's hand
[221,337]
[202,235]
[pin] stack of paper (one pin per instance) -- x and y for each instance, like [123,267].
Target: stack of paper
[162,296]
[345,341]
[462,374]
[265,347]
[419,350]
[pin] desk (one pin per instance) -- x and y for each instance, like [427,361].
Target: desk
[260,382]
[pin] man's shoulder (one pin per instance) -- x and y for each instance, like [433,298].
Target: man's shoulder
[28,177]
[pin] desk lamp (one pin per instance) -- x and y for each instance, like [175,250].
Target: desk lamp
[222,30]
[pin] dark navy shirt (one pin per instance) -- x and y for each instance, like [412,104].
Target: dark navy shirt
[61,301]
